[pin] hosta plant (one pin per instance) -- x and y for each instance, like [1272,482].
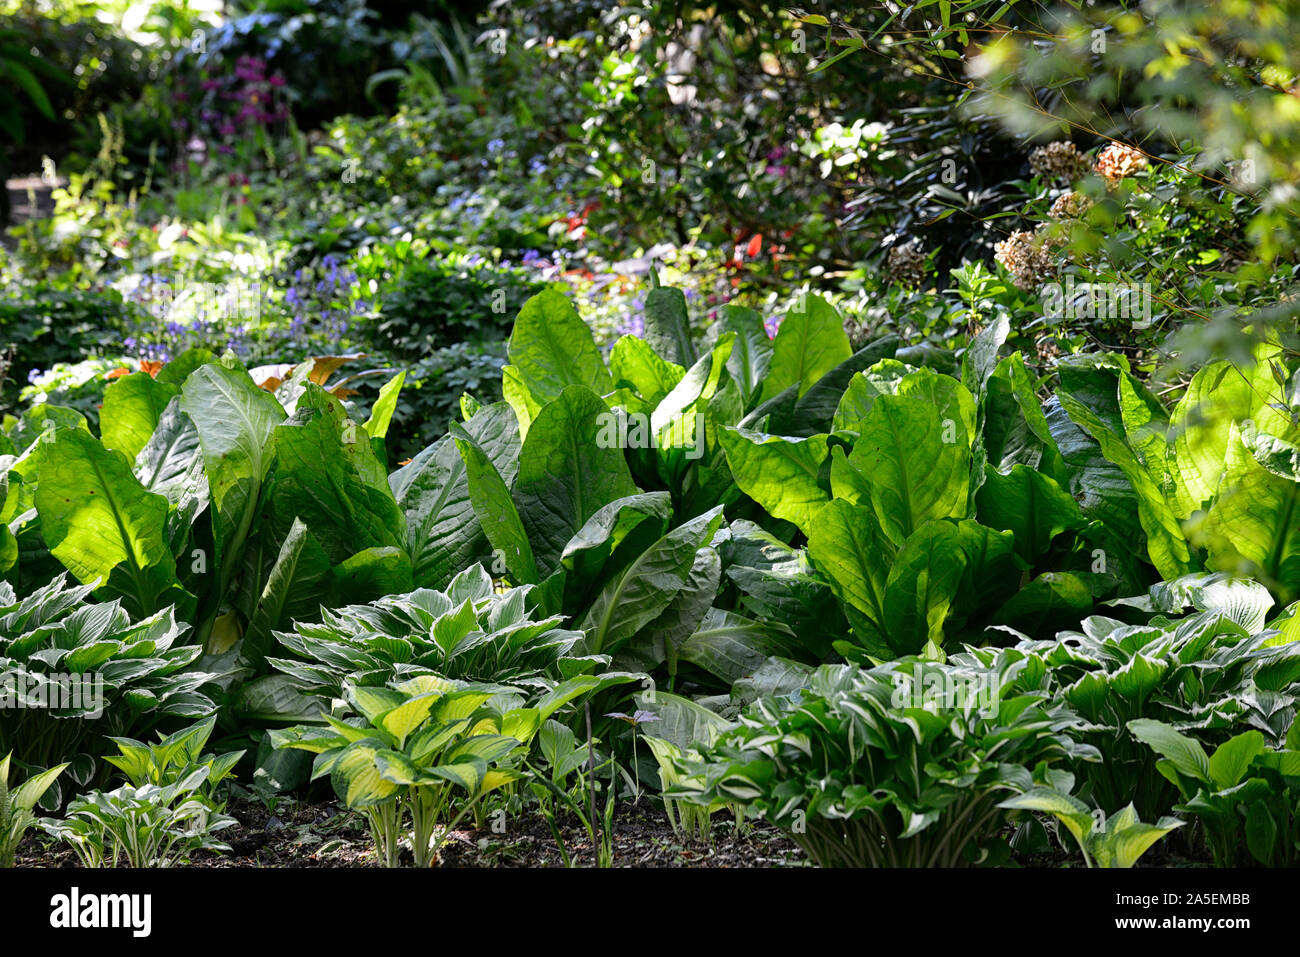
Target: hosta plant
[146,826]
[424,752]
[1213,672]
[468,632]
[16,805]
[1115,840]
[71,671]
[900,765]
[1245,795]
[175,758]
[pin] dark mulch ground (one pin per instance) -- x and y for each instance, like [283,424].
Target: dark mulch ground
[298,834]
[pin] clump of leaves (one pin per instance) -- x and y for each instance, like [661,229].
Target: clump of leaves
[1245,795]
[426,751]
[1211,672]
[16,806]
[55,638]
[174,758]
[146,826]
[1117,840]
[468,632]
[869,768]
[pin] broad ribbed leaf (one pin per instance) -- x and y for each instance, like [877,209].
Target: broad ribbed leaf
[923,581]
[779,473]
[646,587]
[551,349]
[327,475]
[443,534]
[1028,504]
[132,407]
[810,343]
[918,468]
[96,518]
[565,477]
[235,420]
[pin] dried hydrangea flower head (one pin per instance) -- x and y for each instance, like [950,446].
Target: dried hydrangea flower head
[1058,162]
[1026,256]
[1118,161]
[1070,205]
[906,264]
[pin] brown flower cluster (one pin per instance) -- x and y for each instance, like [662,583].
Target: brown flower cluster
[1058,162]
[1027,257]
[1070,205]
[1118,161]
[906,264]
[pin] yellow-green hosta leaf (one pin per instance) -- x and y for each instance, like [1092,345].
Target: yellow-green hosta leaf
[1069,810]
[521,724]
[357,779]
[426,684]
[497,778]
[408,716]
[459,704]
[487,747]
[30,791]
[373,702]
[1127,843]
[469,773]
[401,769]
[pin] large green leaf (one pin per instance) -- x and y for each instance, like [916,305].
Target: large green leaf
[780,473]
[752,354]
[1184,753]
[327,475]
[586,553]
[132,407]
[1253,528]
[1220,394]
[565,476]
[1093,410]
[810,343]
[635,365]
[235,420]
[923,581]
[848,547]
[642,591]
[917,466]
[551,349]
[1015,429]
[101,523]
[1028,504]
[295,588]
[816,408]
[731,646]
[381,414]
[443,533]
[493,509]
[667,325]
